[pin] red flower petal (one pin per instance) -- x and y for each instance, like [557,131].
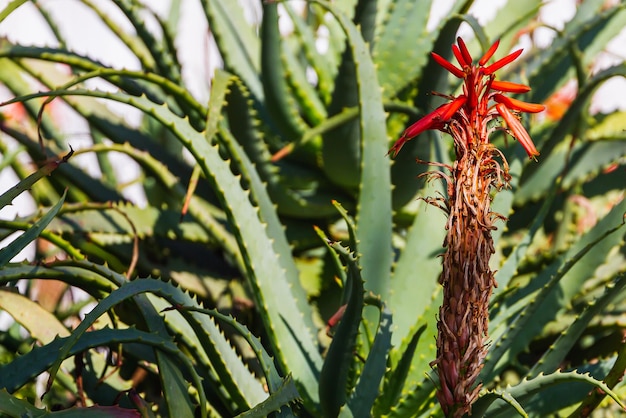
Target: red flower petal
[457,72]
[502,62]
[464,51]
[508,87]
[459,56]
[518,104]
[489,53]
[518,130]
[453,107]
[430,121]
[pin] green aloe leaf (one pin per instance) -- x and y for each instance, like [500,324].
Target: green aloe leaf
[367,388]
[416,273]
[567,388]
[41,324]
[266,251]
[374,201]
[7,197]
[555,355]
[238,45]
[401,42]
[129,290]
[506,272]
[213,353]
[537,179]
[11,250]
[10,8]
[396,376]
[334,377]
[162,51]
[39,359]
[283,395]
[561,282]
[509,20]
[588,32]
[13,406]
[313,103]
[278,99]
[282,179]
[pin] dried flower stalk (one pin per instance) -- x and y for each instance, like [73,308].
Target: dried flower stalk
[479,169]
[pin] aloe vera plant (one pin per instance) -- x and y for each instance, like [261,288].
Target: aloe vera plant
[273,208]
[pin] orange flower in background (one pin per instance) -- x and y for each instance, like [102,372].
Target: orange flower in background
[558,103]
[482,101]
[13,111]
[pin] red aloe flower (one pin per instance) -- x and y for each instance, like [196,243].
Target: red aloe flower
[479,168]
[434,120]
[481,89]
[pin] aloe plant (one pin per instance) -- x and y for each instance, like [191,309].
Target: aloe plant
[213,298]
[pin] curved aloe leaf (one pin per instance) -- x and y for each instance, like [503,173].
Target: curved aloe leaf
[527,390]
[374,201]
[15,407]
[25,184]
[216,358]
[343,148]
[285,394]
[416,273]
[334,379]
[236,41]
[11,250]
[552,358]
[244,126]
[400,44]
[278,98]
[266,251]
[10,8]
[35,362]
[367,388]
[163,53]
[560,284]
[396,375]
[206,331]
[588,31]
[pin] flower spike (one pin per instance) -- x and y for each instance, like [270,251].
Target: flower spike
[478,170]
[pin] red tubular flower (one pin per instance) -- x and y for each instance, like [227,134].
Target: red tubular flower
[489,53]
[464,51]
[508,87]
[453,107]
[427,122]
[474,104]
[434,120]
[502,62]
[457,72]
[518,104]
[459,57]
[518,130]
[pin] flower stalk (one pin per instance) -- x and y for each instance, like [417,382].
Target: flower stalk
[479,169]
